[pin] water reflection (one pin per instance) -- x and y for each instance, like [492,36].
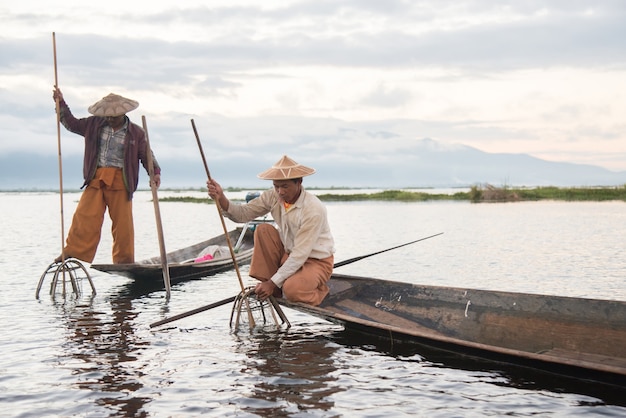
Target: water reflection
[487,371]
[100,350]
[295,371]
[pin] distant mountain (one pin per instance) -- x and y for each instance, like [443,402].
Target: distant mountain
[462,165]
[429,164]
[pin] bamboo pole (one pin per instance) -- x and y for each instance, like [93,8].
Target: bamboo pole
[227,235]
[58,111]
[219,208]
[193,312]
[157,212]
[352,260]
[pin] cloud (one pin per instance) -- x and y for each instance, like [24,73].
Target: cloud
[344,81]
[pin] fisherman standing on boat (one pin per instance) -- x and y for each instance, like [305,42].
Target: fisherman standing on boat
[114,146]
[297,256]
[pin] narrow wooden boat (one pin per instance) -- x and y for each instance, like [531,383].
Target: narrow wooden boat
[577,337]
[184,264]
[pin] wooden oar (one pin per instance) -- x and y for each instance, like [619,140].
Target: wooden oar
[232,298]
[226,234]
[157,212]
[58,105]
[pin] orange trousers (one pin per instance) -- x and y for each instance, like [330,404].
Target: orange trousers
[106,190]
[307,285]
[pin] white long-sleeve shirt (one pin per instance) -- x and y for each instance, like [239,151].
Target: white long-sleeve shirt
[303,229]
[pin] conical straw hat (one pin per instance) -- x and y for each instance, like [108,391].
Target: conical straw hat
[286,169]
[112,105]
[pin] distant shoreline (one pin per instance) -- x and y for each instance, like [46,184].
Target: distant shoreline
[474,194]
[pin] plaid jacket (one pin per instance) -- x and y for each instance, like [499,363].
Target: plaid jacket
[134,148]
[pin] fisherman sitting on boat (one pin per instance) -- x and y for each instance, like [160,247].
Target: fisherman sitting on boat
[295,258]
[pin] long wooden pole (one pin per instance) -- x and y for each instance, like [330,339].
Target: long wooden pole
[219,208]
[226,234]
[352,260]
[193,312]
[58,109]
[230,299]
[157,211]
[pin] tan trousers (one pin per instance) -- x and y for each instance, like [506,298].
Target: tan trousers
[106,190]
[307,285]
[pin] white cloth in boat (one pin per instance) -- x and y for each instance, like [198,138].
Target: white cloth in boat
[216,251]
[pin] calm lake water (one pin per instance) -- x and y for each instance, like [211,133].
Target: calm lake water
[96,356]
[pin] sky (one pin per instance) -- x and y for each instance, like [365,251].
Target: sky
[343,82]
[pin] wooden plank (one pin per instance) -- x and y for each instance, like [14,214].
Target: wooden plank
[586,357]
[372,313]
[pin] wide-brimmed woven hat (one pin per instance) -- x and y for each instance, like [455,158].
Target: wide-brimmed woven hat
[112,105]
[286,169]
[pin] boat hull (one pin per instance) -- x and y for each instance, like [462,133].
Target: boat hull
[574,336]
[181,262]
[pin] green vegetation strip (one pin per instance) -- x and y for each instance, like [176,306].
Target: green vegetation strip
[476,194]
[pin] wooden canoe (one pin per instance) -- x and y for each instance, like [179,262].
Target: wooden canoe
[181,262]
[582,338]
